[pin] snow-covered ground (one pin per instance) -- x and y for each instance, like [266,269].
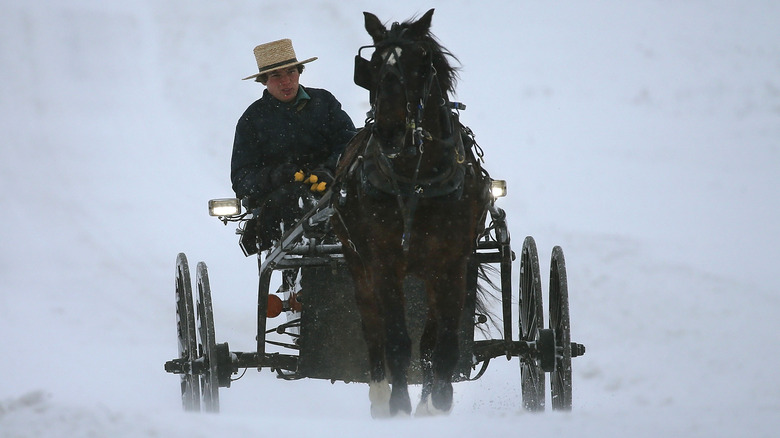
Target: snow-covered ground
[643,137]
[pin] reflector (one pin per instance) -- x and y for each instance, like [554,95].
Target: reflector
[275,306]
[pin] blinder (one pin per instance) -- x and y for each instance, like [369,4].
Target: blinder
[364,71]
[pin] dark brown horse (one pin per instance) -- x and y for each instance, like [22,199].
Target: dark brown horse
[411,200]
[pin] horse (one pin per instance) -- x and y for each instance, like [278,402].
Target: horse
[411,199]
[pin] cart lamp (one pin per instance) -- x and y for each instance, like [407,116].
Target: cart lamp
[498,188]
[225,207]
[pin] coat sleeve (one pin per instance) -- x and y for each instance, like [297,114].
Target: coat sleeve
[342,131]
[248,171]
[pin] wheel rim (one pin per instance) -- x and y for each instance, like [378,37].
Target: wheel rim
[186,334]
[561,378]
[531,321]
[207,342]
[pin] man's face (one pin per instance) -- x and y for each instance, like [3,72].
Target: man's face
[283,83]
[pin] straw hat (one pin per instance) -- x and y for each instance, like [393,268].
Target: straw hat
[274,55]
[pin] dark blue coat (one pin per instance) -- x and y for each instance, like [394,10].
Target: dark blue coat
[270,134]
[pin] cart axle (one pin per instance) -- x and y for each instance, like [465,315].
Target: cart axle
[577,350]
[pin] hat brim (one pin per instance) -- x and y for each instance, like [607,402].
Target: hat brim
[277,67]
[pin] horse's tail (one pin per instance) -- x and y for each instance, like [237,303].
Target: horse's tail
[487,293]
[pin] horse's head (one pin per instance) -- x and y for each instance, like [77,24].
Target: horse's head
[409,77]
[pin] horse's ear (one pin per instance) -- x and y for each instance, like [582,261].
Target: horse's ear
[375,27]
[423,25]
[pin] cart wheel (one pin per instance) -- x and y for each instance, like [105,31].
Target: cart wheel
[185,330]
[560,379]
[207,342]
[531,323]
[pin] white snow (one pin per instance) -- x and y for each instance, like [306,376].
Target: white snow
[643,137]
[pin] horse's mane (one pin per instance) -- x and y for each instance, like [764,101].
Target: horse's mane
[445,71]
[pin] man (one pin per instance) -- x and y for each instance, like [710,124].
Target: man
[287,143]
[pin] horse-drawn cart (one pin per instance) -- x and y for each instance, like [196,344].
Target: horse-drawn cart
[391,261]
[324,335]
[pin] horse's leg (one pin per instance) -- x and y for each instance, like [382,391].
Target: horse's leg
[378,385]
[427,343]
[449,289]
[373,333]
[398,345]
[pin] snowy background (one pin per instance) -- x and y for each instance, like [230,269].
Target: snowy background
[643,137]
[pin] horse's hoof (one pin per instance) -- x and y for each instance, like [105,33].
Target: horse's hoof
[379,395]
[380,412]
[426,409]
[400,404]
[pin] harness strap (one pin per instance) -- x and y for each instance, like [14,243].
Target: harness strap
[377,170]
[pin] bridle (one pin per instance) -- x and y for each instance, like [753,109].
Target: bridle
[381,172]
[370,77]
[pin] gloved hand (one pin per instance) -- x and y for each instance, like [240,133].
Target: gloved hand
[323,175]
[284,173]
[319,179]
